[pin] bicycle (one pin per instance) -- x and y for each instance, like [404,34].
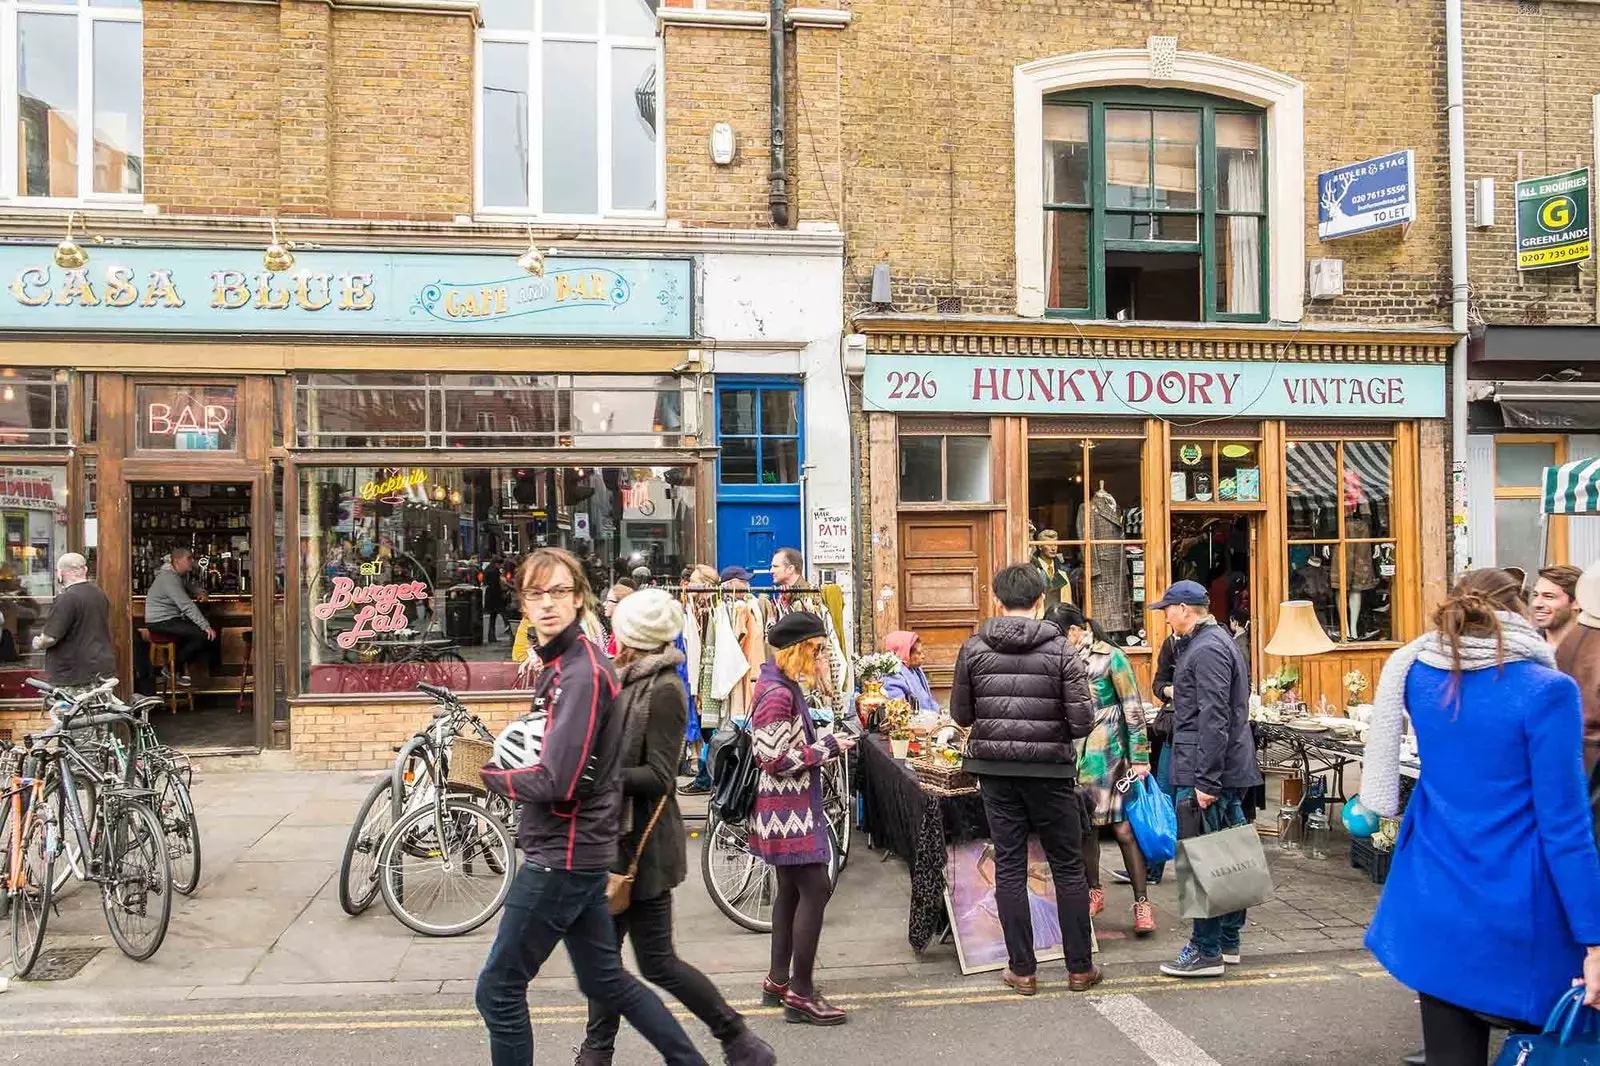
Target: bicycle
[124,842]
[421,833]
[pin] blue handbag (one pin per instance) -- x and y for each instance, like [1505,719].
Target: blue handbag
[1153,818]
[1571,1038]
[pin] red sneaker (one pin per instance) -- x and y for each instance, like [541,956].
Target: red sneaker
[1144,918]
[1097,901]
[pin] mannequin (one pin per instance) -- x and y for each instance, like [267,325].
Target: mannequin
[1359,573]
[1110,588]
[1047,558]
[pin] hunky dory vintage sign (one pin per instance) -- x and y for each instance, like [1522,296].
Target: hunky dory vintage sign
[228,290]
[944,385]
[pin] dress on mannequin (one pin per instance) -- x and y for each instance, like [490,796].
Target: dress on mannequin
[1110,585]
[1362,575]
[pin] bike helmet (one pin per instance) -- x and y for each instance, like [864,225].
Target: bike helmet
[521,744]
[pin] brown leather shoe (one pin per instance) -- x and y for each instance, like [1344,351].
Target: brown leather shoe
[1025,986]
[812,1011]
[1082,982]
[772,992]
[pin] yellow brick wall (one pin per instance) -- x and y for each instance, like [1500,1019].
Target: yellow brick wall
[15,722]
[362,736]
[712,76]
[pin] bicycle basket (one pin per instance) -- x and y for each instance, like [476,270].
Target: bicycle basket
[468,755]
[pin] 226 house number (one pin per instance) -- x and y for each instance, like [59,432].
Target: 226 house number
[909,385]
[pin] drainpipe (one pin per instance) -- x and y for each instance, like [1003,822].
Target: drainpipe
[778,197]
[1458,276]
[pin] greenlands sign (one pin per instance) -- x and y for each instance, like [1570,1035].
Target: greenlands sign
[1553,221]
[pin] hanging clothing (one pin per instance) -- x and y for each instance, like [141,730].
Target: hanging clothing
[728,664]
[1110,585]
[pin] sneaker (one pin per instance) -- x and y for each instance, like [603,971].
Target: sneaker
[1121,877]
[692,789]
[587,1056]
[184,680]
[1144,918]
[1232,958]
[1097,901]
[1190,963]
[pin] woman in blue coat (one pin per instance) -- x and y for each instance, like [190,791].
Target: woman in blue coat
[1492,905]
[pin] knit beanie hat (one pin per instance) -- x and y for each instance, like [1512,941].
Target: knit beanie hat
[647,619]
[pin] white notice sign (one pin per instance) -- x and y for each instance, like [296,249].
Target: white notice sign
[830,536]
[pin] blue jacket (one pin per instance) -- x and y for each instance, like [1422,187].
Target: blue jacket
[1495,885]
[1212,746]
[911,684]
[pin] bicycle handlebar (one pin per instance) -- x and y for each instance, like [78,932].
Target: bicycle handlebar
[438,692]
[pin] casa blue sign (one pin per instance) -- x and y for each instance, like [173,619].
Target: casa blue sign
[1372,194]
[203,290]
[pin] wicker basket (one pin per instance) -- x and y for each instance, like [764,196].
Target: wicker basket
[939,778]
[467,756]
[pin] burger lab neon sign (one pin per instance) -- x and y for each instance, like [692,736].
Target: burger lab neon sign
[382,608]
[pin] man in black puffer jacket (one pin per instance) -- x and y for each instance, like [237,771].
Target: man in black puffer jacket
[1025,696]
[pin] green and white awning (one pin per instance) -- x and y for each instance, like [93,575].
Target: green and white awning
[1572,488]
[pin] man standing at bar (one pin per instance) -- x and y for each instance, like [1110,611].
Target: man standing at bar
[169,609]
[76,640]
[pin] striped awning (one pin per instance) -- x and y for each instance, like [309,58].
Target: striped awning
[1572,488]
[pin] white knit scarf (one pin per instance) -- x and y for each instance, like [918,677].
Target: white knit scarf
[1380,775]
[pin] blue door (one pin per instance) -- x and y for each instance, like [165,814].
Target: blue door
[748,534]
[760,456]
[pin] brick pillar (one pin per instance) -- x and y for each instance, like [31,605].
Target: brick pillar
[305,112]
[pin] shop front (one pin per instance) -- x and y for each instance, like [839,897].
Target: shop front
[1117,460]
[354,455]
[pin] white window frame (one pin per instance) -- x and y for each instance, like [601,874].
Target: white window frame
[605,43]
[10,70]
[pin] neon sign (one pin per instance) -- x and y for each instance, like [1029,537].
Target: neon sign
[382,608]
[392,489]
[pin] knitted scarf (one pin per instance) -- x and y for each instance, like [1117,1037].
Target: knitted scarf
[633,700]
[1380,775]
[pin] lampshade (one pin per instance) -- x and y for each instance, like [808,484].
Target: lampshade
[1298,632]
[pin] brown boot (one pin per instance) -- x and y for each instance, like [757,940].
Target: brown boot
[1082,982]
[1025,986]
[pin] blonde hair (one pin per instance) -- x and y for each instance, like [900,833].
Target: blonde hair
[539,565]
[799,662]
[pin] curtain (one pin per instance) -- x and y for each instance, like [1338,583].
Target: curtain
[1244,249]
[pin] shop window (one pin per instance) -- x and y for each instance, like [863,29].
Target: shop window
[570,107]
[758,430]
[1340,521]
[936,468]
[1086,527]
[1155,207]
[78,102]
[33,535]
[403,569]
[1215,471]
[33,407]
[1519,464]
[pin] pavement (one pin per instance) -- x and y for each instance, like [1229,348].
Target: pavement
[263,956]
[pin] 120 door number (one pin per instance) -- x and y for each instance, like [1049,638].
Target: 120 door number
[761,520]
[910,385]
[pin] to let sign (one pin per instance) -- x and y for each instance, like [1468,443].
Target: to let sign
[1153,388]
[1553,226]
[1372,194]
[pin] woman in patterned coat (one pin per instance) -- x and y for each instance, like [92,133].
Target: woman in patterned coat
[1117,747]
[789,828]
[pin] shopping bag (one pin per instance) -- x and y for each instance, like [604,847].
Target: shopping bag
[1221,872]
[1571,1038]
[1153,818]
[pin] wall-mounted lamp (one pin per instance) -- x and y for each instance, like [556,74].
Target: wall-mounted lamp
[277,258]
[532,260]
[69,255]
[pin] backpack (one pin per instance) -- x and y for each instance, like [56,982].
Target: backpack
[735,774]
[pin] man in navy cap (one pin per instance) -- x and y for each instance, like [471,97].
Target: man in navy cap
[1213,754]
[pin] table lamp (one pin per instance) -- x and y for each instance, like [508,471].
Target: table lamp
[1298,633]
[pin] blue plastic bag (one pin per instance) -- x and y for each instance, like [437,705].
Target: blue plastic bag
[1154,819]
[1571,1038]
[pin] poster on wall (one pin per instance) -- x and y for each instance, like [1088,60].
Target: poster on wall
[830,536]
[1370,195]
[1553,226]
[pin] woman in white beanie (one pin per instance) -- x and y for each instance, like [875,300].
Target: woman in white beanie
[655,711]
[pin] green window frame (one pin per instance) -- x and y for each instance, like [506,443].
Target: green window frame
[1083,209]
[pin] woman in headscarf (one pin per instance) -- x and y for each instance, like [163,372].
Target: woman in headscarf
[910,682]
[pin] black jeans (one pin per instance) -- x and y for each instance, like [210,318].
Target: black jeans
[192,643]
[649,922]
[1455,1036]
[1017,806]
[548,907]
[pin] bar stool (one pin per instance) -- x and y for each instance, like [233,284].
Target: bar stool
[249,672]
[164,655]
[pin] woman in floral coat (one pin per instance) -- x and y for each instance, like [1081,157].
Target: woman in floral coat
[1116,748]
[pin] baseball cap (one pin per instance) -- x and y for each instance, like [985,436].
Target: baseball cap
[1190,592]
[735,573]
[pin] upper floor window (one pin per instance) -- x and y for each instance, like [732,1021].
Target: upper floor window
[1155,207]
[570,108]
[73,71]
[759,434]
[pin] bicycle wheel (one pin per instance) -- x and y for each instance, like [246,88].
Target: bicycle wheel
[739,881]
[449,885]
[358,869]
[136,892]
[836,805]
[71,864]
[175,809]
[30,900]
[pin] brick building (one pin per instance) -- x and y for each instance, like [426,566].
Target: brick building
[363,300]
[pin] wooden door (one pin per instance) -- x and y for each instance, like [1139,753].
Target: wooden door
[944,584]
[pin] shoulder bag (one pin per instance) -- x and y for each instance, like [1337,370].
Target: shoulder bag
[619,887]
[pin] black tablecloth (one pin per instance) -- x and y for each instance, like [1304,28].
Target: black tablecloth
[916,826]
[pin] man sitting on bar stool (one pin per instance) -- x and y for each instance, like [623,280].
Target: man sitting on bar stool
[169,609]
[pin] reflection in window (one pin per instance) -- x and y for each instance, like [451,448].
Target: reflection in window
[33,407]
[945,469]
[759,433]
[921,469]
[33,532]
[1341,555]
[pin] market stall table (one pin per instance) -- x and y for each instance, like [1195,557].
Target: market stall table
[1315,754]
[916,825]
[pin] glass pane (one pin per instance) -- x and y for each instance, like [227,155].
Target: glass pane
[118,107]
[505,125]
[91,514]
[1127,227]
[1067,253]
[180,418]
[627,416]
[1116,482]
[571,127]
[780,411]
[1062,567]
[1367,489]
[1239,162]
[969,480]
[630,18]
[130,4]
[1189,476]
[522,412]
[1055,488]
[634,101]
[1214,550]
[1312,577]
[570,16]
[1066,154]
[1238,264]
[1176,228]
[507,14]
[738,411]
[780,461]
[739,461]
[1312,474]
[362,411]
[1177,175]
[1522,465]
[1369,572]
[47,91]
[921,469]
[33,407]
[1238,471]
[1517,534]
[1127,158]
[33,518]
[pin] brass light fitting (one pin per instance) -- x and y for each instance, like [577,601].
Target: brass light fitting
[69,255]
[532,260]
[278,258]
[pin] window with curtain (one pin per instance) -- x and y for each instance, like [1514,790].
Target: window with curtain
[1155,206]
